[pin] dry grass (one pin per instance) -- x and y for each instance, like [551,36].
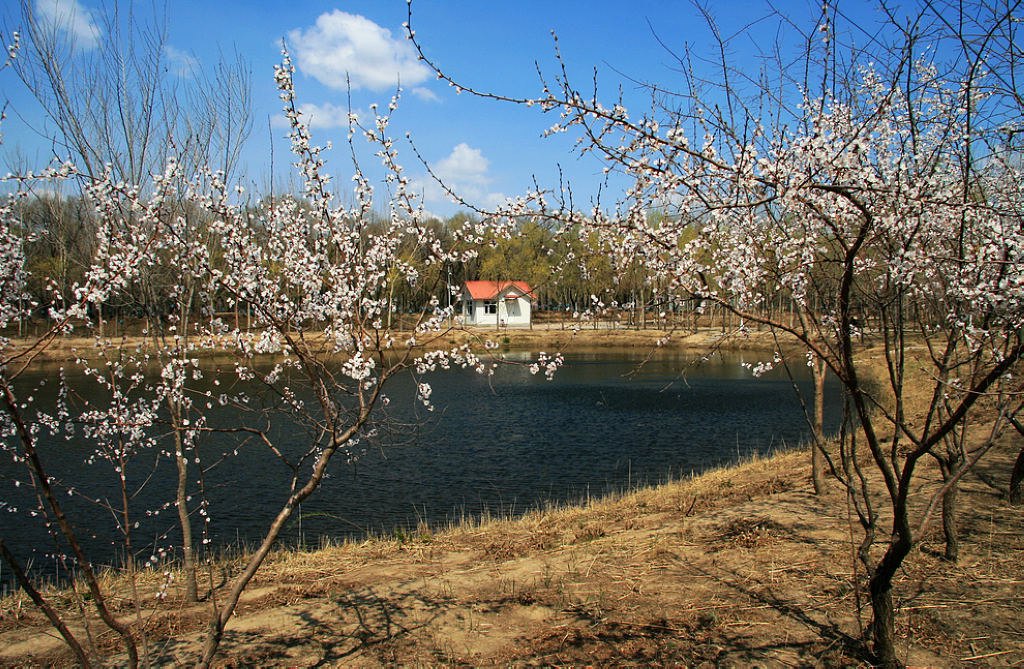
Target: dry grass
[736,567]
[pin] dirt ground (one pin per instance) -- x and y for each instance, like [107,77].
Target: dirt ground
[736,568]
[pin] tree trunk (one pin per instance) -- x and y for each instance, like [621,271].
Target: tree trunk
[181,457]
[45,607]
[883,624]
[222,612]
[949,525]
[63,524]
[817,457]
[1017,480]
[187,552]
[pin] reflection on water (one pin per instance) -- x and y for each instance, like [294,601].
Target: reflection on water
[503,445]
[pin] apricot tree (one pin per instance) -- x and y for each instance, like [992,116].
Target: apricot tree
[877,190]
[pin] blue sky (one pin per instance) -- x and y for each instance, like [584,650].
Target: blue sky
[487,150]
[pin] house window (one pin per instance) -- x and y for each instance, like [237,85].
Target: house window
[490,307]
[467,307]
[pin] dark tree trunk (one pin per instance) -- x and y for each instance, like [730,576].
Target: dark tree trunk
[1017,480]
[950,529]
[883,623]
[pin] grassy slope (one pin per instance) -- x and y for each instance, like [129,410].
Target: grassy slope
[734,567]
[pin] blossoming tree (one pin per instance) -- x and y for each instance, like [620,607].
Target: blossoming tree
[320,348]
[877,191]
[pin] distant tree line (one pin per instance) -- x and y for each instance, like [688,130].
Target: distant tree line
[572,276]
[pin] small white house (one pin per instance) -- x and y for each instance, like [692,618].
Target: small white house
[497,303]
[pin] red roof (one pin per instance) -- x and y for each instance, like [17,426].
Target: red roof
[491,290]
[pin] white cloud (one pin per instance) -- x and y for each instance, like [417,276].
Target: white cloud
[424,93]
[325,115]
[344,45]
[466,171]
[181,63]
[72,18]
[464,165]
[319,117]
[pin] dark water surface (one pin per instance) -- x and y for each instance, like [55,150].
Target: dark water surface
[502,445]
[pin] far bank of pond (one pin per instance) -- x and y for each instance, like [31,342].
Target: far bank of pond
[546,336]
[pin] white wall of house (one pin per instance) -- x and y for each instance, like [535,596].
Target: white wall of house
[503,312]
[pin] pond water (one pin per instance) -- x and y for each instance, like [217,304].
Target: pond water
[501,446]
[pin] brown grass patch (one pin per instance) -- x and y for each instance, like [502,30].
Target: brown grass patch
[739,566]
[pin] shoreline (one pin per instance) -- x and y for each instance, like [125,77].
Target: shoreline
[739,564]
[549,337]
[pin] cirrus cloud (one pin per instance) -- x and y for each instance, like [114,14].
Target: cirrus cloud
[70,17]
[181,63]
[342,48]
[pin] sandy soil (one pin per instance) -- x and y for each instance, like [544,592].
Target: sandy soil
[736,568]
